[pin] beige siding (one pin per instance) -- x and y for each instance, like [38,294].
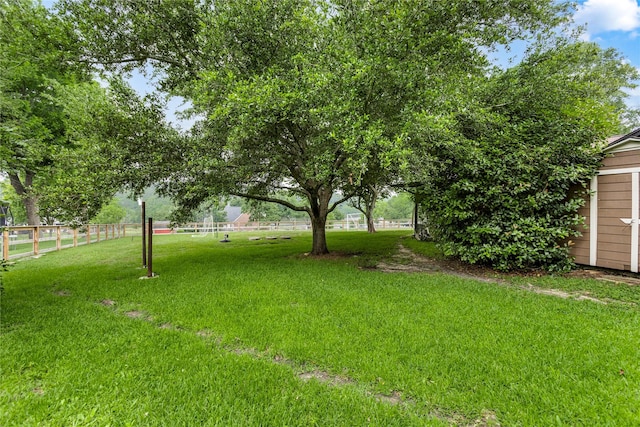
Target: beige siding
[623,159]
[614,196]
[580,248]
[614,204]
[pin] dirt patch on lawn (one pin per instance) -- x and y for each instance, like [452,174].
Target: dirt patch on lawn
[406,261]
[135,314]
[325,377]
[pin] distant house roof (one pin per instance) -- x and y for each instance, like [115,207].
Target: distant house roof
[629,141]
[233,213]
[242,220]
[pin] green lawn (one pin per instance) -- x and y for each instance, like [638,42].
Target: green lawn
[258,333]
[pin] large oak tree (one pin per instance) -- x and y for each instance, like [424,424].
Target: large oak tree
[300,97]
[59,129]
[35,51]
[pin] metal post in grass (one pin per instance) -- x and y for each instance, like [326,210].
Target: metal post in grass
[144,237]
[150,257]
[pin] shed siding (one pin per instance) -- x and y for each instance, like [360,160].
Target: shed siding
[622,159]
[613,246]
[611,235]
[580,248]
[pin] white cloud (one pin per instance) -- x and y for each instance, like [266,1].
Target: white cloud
[609,15]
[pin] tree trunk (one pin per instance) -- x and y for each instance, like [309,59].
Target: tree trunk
[31,206]
[319,210]
[24,191]
[370,205]
[371,228]
[319,236]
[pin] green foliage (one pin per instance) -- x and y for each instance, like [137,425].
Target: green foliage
[261,211]
[336,215]
[37,51]
[507,175]
[58,128]
[399,206]
[157,207]
[4,266]
[15,202]
[111,213]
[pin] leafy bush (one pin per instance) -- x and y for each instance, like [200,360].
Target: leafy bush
[505,177]
[507,205]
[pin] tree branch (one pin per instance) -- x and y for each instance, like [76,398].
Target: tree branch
[272,200]
[17,184]
[343,199]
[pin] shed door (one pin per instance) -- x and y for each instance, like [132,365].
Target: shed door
[618,223]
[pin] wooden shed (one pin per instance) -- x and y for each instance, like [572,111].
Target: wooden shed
[611,236]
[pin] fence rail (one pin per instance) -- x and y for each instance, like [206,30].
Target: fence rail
[25,241]
[293,225]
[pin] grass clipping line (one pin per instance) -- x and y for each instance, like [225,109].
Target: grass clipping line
[307,372]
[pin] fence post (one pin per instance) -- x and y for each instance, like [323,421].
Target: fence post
[5,244]
[58,237]
[150,246]
[75,237]
[36,240]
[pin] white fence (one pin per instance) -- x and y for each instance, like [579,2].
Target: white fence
[293,225]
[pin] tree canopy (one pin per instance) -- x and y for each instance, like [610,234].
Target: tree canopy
[302,97]
[59,128]
[36,50]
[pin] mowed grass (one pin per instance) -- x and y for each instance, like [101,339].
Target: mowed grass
[258,333]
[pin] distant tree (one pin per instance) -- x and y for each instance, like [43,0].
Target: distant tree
[263,211]
[111,213]
[336,215]
[399,206]
[365,202]
[630,120]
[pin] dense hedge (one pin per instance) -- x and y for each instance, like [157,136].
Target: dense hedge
[509,201]
[502,173]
